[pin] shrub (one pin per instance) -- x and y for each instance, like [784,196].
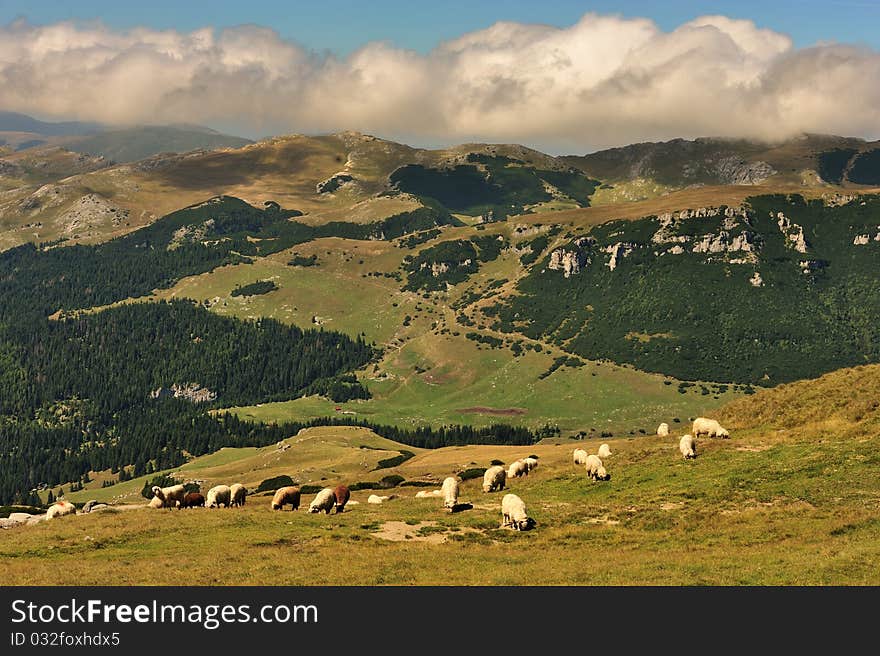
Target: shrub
[473,472]
[496,462]
[299,260]
[272,484]
[395,460]
[392,480]
[255,288]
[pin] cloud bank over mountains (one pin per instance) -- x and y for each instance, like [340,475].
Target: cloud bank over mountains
[601,82]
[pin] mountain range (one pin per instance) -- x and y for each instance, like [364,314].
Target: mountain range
[579,295]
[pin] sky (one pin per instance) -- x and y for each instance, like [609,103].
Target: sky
[563,76]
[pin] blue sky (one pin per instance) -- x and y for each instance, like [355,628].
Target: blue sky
[342,26]
[632,71]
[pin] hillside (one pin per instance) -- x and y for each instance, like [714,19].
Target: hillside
[15,122]
[789,499]
[139,143]
[355,177]
[475,285]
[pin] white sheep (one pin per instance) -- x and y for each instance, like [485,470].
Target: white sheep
[579,456]
[155,502]
[217,495]
[171,497]
[375,498]
[495,478]
[237,494]
[663,430]
[427,494]
[60,508]
[595,469]
[288,494]
[517,468]
[324,500]
[450,492]
[708,427]
[688,446]
[531,463]
[513,513]
[604,451]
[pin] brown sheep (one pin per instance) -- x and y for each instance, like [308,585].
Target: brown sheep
[193,500]
[342,495]
[285,495]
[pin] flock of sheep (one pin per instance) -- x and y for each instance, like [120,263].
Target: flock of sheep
[687,445]
[176,496]
[496,477]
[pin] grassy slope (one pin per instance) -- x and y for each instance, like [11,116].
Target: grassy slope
[427,376]
[791,498]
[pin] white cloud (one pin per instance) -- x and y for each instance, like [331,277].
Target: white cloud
[601,82]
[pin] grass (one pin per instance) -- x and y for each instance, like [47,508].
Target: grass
[428,373]
[770,506]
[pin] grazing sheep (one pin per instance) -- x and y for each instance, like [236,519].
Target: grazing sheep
[450,492]
[663,430]
[171,497]
[604,451]
[426,494]
[286,495]
[495,478]
[61,508]
[580,457]
[217,495]
[193,500]
[237,494]
[513,513]
[155,502]
[688,446]
[342,494]
[517,468]
[531,463]
[708,427]
[595,469]
[324,500]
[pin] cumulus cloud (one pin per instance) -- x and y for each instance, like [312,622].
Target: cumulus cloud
[603,81]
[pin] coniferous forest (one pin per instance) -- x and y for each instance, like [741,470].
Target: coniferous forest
[130,387]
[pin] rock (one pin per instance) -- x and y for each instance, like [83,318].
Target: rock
[19,517]
[793,231]
[618,251]
[840,199]
[190,391]
[333,183]
[569,262]
[734,170]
